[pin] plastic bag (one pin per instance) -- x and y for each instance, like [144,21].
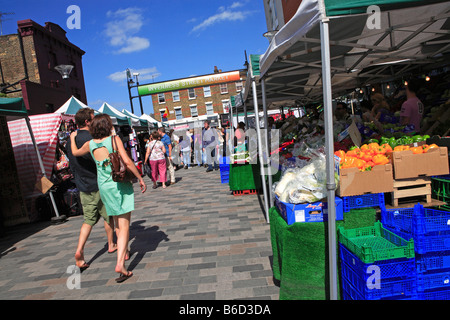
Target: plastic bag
[305,184]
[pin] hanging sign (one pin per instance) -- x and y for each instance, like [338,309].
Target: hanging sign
[188,83]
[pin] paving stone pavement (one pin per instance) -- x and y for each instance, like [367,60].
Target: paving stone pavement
[191,241]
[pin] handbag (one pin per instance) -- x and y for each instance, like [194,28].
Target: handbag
[63,162]
[119,170]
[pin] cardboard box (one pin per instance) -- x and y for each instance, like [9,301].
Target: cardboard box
[308,212]
[408,165]
[353,182]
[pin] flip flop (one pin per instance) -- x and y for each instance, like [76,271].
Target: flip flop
[83,267]
[112,251]
[124,277]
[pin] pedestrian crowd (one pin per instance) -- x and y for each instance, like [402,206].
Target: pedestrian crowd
[101,197]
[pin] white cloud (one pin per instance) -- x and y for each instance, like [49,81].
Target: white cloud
[144,74]
[121,30]
[224,14]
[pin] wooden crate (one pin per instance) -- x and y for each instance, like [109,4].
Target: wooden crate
[414,188]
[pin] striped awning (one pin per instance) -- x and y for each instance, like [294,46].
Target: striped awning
[45,130]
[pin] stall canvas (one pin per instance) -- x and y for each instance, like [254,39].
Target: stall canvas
[329,47]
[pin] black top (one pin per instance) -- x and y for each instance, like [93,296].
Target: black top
[83,168]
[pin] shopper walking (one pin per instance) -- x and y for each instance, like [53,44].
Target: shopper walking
[210,142]
[85,176]
[185,147]
[118,197]
[198,145]
[156,155]
[165,139]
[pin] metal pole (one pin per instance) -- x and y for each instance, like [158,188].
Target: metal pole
[258,131]
[140,98]
[129,94]
[41,165]
[266,136]
[329,148]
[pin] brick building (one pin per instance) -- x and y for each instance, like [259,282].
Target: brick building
[193,99]
[27,66]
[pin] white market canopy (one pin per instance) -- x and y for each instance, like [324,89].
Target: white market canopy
[122,119]
[144,121]
[151,120]
[71,106]
[409,36]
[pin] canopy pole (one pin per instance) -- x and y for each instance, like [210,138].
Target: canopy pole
[329,151]
[266,136]
[41,165]
[261,163]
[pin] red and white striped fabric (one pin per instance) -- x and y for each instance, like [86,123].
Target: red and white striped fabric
[45,130]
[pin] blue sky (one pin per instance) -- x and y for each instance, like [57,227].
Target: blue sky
[161,40]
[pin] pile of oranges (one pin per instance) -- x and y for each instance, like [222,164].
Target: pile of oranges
[372,154]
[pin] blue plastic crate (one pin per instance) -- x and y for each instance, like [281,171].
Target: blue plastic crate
[425,243]
[308,212]
[363,201]
[417,220]
[384,289]
[387,269]
[430,228]
[439,279]
[432,261]
[224,176]
[350,293]
[437,294]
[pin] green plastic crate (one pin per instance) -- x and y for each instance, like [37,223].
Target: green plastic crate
[441,191]
[376,243]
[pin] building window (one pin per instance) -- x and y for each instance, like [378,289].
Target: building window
[176,96]
[194,112]
[239,86]
[207,91]
[209,108]
[191,92]
[53,62]
[162,111]
[161,98]
[178,113]
[223,88]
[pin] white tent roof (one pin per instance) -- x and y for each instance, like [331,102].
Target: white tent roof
[71,106]
[408,39]
[150,119]
[108,109]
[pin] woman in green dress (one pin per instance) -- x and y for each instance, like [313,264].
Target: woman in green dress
[118,197]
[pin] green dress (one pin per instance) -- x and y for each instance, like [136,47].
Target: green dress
[118,197]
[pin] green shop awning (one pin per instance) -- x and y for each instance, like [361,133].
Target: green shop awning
[345,7]
[12,107]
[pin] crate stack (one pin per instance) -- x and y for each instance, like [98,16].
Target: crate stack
[430,230]
[224,173]
[376,264]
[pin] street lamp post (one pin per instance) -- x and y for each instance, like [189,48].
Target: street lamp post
[137,86]
[64,70]
[129,82]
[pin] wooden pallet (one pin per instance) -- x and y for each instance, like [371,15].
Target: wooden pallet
[415,188]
